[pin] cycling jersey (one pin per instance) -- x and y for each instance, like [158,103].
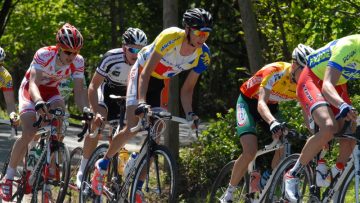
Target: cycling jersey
[6,83]
[274,77]
[52,75]
[342,54]
[44,60]
[114,67]
[168,45]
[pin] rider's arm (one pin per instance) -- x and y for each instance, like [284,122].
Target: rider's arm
[146,73]
[262,107]
[80,93]
[95,83]
[10,101]
[331,77]
[187,91]
[34,81]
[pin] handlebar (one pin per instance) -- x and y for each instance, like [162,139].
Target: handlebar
[162,115]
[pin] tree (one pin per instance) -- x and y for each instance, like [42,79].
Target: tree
[251,35]
[170,18]
[7,7]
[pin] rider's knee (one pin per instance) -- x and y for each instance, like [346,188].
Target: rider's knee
[248,155]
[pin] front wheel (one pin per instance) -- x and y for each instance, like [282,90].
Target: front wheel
[160,180]
[276,192]
[222,182]
[347,190]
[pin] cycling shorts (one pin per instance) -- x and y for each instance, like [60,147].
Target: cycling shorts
[48,94]
[247,116]
[154,92]
[309,93]
[112,106]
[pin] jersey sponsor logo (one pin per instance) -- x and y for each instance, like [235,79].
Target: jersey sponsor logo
[347,57]
[319,57]
[307,93]
[241,115]
[255,80]
[116,73]
[206,59]
[168,44]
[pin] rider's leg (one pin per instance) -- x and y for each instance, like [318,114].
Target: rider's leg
[21,144]
[277,157]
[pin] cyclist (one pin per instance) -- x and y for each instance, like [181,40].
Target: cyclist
[6,85]
[257,104]
[50,65]
[322,92]
[173,51]
[111,77]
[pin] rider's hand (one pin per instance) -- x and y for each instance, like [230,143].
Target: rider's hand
[347,112]
[141,108]
[275,129]
[40,108]
[14,119]
[97,121]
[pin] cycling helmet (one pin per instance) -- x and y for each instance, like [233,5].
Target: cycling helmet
[2,54]
[68,37]
[300,53]
[134,36]
[198,18]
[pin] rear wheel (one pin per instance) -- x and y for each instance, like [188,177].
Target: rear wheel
[347,190]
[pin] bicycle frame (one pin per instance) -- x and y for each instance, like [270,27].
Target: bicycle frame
[275,145]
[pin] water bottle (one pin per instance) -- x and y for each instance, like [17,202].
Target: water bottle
[130,163]
[264,177]
[337,169]
[255,181]
[122,159]
[323,179]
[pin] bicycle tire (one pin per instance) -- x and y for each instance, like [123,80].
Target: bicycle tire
[222,181]
[6,164]
[56,194]
[167,167]
[75,159]
[276,192]
[345,194]
[85,193]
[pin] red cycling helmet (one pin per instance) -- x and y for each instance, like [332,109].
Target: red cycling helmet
[69,38]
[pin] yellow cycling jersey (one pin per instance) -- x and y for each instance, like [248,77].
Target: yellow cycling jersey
[274,77]
[168,45]
[6,83]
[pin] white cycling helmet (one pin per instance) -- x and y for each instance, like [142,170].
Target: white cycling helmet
[300,53]
[2,54]
[134,36]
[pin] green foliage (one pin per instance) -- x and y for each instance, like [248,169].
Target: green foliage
[200,163]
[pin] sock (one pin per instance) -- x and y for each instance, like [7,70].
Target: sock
[83,164]
[229,192]
[10,173]
[103,163]
[139,185]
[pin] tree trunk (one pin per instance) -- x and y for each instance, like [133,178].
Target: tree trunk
[114,20]
[285,49]
[170,18]
[4,15]
[253,46]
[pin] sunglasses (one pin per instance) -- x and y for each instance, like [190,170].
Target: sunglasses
[199,33]
[133,50]
[69,52]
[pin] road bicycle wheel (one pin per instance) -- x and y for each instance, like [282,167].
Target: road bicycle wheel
[276,192]
[222,182]
[75,159]
[86,194]
[55,188]
[162,177]
[347,192]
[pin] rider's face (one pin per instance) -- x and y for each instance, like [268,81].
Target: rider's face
[131,52]
[67,56]
[197,37]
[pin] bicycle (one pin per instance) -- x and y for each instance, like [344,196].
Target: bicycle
[243,192]
[153,159]
[337,191]
[53,153]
